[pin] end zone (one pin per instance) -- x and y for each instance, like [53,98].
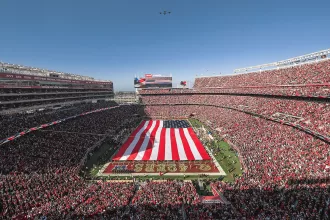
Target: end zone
[129,168]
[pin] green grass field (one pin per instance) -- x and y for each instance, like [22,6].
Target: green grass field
[99,158]
[226,157]
[224,154]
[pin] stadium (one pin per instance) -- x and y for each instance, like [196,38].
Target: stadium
[135,122]
[218,150]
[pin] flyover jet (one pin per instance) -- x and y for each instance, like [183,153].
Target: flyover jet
[165,12]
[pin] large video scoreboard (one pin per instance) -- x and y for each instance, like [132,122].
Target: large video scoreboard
[153,81]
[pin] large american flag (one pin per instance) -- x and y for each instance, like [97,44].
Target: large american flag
[162,140]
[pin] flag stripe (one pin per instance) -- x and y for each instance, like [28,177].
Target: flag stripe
[122,150]
[186,146]
[181,150]
[140,142]
[146,141]
[155,148]
[168,145]
[131,146]
[192,145]
[198,144]
[151,142]
[174,146]
[161,153]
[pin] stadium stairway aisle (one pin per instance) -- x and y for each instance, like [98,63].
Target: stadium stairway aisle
[184,214]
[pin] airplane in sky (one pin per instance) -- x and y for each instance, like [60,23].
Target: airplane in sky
[165,12]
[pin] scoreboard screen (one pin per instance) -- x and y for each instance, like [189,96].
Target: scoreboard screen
[153,81]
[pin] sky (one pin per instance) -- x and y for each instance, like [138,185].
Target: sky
[119,39]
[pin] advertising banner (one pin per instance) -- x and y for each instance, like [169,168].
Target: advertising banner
[153,81]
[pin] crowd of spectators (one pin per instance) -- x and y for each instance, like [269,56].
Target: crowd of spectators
[32,103]
[312,115]
[304,200]
[275,157]
[43,151]
[175,200]
[62,195]
[286,171]
[157,200]
[119,117]
[308,80]
[14,123]
[17,98]
[39,171]
[261,140]
[302,80]
[313,90]
[44,91]
[211,211]
[313,73]
[39,177]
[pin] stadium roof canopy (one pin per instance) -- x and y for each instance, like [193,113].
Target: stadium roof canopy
[312,57]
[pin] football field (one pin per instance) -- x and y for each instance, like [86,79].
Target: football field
[163,147]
